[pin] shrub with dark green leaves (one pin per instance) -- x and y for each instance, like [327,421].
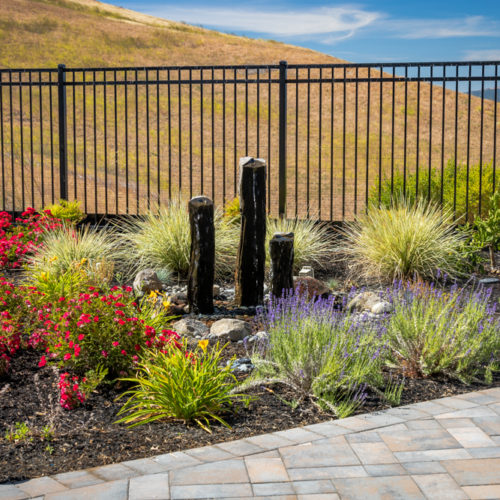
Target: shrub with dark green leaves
[479,181]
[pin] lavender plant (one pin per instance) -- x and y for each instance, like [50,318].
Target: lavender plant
[453,333]
[319,351]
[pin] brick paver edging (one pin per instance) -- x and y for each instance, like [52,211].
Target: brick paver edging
[447,448]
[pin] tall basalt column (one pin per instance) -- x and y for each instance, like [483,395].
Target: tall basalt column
[281,250]
[202,259]
[251,260]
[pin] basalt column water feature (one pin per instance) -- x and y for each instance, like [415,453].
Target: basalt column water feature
[281,251]
[251,261]
[202,259]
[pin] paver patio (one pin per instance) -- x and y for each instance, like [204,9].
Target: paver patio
[443,449]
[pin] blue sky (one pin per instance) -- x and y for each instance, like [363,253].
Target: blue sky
[371,31]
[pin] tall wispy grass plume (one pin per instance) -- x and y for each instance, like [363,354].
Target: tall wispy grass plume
[404,241]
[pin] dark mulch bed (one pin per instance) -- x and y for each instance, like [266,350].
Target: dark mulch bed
[87,437]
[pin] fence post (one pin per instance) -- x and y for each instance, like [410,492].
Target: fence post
[282,140]
[63,146]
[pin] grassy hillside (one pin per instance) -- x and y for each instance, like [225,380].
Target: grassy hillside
[42,33]
[147,135]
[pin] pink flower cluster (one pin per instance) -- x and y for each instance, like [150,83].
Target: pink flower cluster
[24,236]
[71,394]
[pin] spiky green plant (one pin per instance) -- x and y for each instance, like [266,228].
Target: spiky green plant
[180,384]
[404,241]
[161,240]
[92,251]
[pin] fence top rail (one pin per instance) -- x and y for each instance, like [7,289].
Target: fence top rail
[246,67]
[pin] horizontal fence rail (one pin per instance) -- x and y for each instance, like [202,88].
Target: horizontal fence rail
[336,137]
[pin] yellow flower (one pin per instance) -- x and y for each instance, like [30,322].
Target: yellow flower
[83,261]
[166,304]
[44,276]
[202,344]
[153,294]
[53,259]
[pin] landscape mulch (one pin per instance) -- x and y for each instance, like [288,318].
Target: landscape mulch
[87,437]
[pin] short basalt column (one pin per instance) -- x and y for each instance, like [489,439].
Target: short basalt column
[202,259]
[251,260]
[281,250]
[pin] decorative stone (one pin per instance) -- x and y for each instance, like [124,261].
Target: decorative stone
[146,281]
[281,251]
[364,301]
[311,286]
[307,271]
[235,329]
[216,290]
[202,257]
[251,258]
[489,281]
[258,337]
[381,307]
[188,327]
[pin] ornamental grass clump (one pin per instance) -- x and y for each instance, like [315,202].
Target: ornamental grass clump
[404,241]
[443,332]
[161,240]
[181,384]
[313,243]
[70,255]
[320,352]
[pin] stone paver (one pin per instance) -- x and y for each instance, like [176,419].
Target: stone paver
[440,449]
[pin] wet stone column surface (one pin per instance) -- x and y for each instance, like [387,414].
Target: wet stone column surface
[282,253]
[251,259]
[202,258]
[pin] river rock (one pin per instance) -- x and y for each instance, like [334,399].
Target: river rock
[381,307]
[147,281]
[234,329]
[188,327]
[312,286]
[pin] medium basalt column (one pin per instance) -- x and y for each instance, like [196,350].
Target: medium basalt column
[281,251]
[202,259]
[251,259]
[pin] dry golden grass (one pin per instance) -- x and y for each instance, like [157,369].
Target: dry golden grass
[325,166]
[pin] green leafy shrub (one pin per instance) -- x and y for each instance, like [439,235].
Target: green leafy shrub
[182,385]
[161,240]
[449,197]
[313,242]
[70,255]
[436,332]
[319,351]
[68,211]
[404,241]
[486,232]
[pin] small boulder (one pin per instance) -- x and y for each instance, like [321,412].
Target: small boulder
[189,327]
[216,290]
[381,307]
[147,281]
[312,286]
[235,329]
[363,301]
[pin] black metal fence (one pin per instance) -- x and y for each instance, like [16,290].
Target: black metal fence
[335,137]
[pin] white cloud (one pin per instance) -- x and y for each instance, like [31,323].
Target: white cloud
[343,20]
[471,26]
[482,55]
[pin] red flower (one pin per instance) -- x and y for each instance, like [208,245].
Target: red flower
[42,362]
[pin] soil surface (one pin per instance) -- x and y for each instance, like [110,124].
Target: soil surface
[87,437]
